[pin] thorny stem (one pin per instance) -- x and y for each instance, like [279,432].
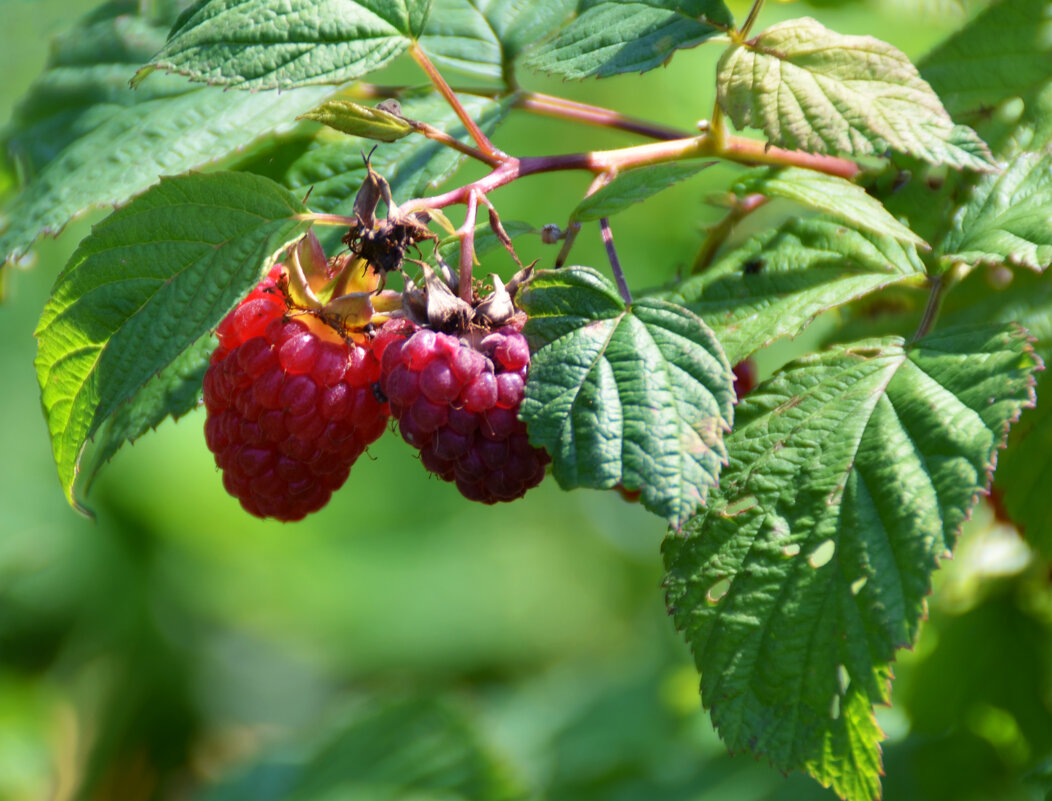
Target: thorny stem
[931,311]
[561,108]
[443,88]
[718,233]
[615,262]
[467,246]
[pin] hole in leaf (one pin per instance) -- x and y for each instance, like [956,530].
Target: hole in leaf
[718,590]
[792,549]
[822,554]
[834,708]
[740,505]
[858,584]
[843,678]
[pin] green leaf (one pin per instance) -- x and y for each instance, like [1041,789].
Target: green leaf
[128,148]
[812,89]
[519,24]
[779,280]
[332,166]
[611,37]
[85,82]
[1007,217]
[355,119]
[268,44]
[150,281]
[424,748]
[1024,468]
[851,472]
[834,197]
[1004,52]
[638,396]
[459,37]
[634,186]
[174,392]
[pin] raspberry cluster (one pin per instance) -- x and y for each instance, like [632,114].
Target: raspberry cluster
[290,405]
[457,402]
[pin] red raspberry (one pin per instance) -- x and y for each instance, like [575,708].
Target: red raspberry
[744,378]
[458,405]
[290,405]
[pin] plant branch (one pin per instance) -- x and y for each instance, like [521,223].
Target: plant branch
[615,262]
[443,88]
[739,149]
[561,108]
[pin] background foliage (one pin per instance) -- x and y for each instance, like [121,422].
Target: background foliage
[404,644]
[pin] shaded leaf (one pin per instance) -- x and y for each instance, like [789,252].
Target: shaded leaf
[779,280]
[1024,468]
[85,82]
[355,119]
[1004,52]
[268,44]
[1007,217]
[458,36]
[851,472]
[634,186]
[102,153]
[612,37]
[638,396]
[834,197]
[394,749]
[809,88]
[150,281]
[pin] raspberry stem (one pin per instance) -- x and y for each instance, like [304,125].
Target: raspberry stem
[485,146]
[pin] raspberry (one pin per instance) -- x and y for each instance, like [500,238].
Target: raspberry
[290,405]
[458,405]
[744,378]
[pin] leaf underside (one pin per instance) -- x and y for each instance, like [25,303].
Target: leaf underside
[809,88]
[610,38]
[634,396]
[851,472]
[149,282]
[1006,218]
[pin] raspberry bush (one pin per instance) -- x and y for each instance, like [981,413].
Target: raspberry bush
[315,289]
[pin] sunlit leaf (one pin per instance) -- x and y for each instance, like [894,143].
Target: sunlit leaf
[637,395]
[150,281]
[851,472]
[809,88]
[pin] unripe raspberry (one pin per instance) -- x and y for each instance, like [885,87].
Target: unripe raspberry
[291,405]
[458,406]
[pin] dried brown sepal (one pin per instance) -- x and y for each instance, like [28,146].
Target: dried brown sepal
[445,311]
[383,242]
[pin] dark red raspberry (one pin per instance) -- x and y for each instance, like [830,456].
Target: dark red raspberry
[744,378]
[291,405]
[458,405]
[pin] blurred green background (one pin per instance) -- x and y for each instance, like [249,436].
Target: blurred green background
[405,644]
